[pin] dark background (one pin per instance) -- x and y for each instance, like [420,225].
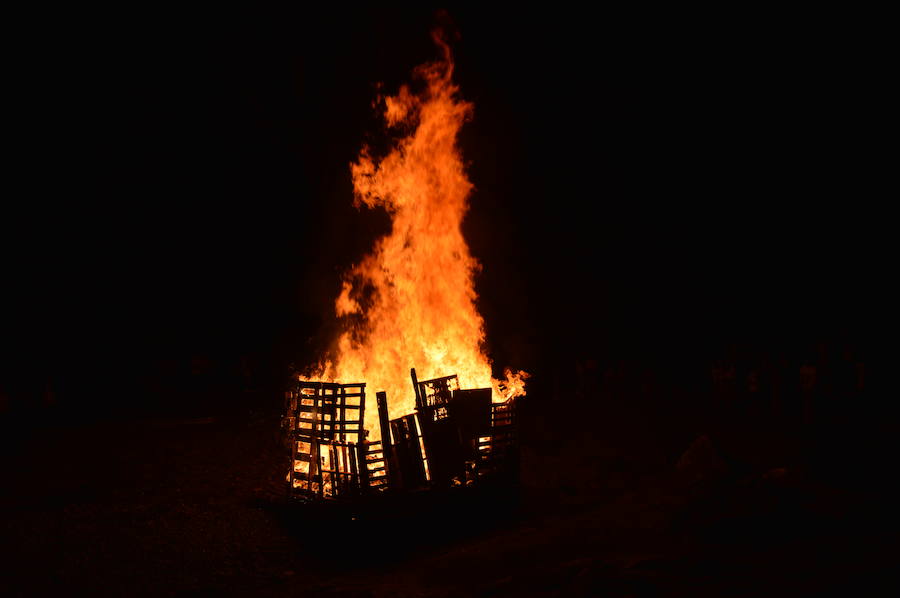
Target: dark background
[683,239]
[642,191]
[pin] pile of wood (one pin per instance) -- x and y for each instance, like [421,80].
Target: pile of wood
[456,437]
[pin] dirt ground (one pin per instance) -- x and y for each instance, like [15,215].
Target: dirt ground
[196,506]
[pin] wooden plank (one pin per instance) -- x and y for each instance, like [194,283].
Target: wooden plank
[383,420]
[361,450]
[362,413]
[341,401]
[420,401]
[353,456]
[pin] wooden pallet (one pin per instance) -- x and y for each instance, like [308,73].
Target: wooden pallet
[324,422]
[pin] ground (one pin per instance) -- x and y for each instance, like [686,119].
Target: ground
[171,506]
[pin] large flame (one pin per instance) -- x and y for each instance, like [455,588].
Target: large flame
[411,301]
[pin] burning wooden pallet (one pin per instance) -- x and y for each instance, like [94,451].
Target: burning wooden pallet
[329,456]
[456,437]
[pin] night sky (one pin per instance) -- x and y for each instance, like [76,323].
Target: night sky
[641,191]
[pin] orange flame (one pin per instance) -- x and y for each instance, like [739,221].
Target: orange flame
[411,301]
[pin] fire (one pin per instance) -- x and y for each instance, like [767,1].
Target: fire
[411,301]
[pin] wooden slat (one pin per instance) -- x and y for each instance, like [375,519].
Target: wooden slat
[353,456]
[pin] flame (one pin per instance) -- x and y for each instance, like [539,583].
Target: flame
[411,301]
